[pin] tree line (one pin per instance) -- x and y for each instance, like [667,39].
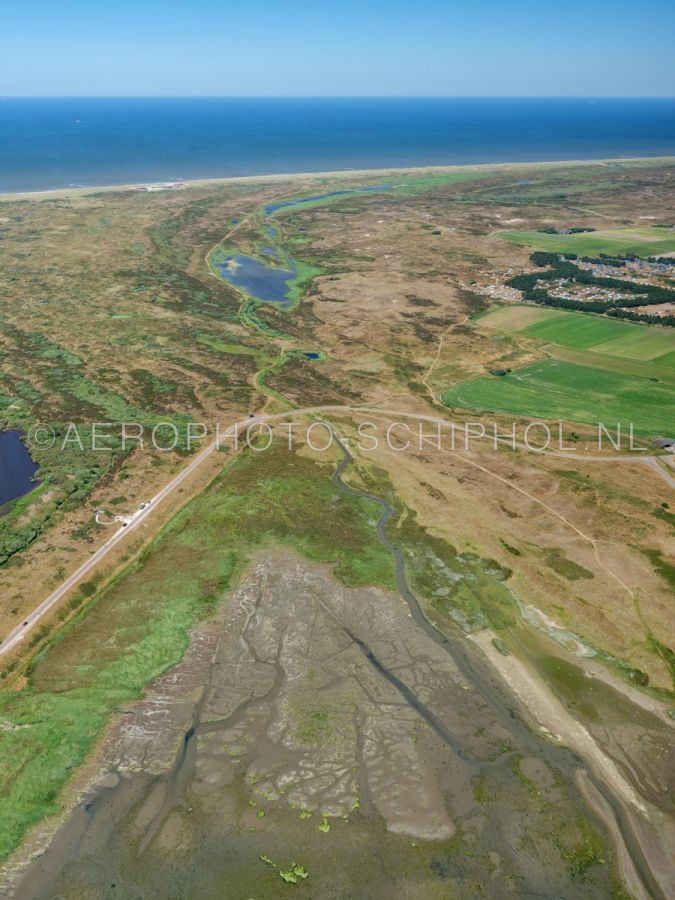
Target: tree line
[556,267]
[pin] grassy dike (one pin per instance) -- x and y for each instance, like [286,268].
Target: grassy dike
[138,627]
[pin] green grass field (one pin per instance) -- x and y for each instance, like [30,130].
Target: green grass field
[620,364]
[556,390]
[637,241]
[668,359]
[579,330]
[585,331]
[642,344]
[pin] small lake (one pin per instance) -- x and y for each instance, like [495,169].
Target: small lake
[262,281]
[17,469]
[284,204]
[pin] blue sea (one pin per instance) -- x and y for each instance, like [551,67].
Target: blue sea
[56,143]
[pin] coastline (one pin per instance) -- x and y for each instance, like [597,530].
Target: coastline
[344,174]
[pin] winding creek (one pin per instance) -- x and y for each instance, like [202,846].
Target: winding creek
[269,280]
[99,816]
[272,208]
[524,740]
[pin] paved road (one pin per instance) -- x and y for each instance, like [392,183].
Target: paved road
[20,632]
[653,462]
[31,620]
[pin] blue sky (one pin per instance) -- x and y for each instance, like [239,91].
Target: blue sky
[345,47]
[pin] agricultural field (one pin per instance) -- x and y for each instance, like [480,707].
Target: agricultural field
[585,331]
[644,241]
[556,390]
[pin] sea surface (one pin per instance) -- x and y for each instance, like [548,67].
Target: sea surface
[56,142]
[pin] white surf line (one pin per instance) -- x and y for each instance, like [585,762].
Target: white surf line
[20,632]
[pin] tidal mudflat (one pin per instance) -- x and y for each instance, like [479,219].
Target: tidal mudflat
[306,720]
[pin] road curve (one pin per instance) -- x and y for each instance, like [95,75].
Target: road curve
[18,634]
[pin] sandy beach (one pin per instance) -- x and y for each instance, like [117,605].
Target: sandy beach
[345,174]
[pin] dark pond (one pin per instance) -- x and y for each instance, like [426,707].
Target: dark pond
[264,282]
[275,207]
[310,354]
[17,469]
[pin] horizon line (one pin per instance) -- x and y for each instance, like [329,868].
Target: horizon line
[337,96]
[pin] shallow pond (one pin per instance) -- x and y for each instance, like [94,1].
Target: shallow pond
[300,201]
[17,469]
[258,279]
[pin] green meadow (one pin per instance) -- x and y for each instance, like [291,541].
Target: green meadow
[556,390]
[585,331]
[635,241]
[580,330]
